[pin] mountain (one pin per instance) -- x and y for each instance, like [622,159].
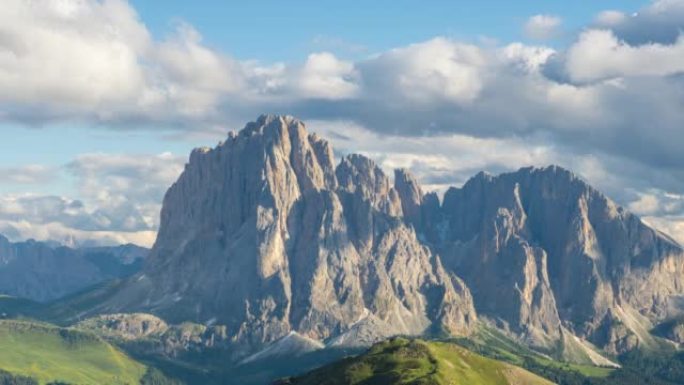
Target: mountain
[402,361]
[549,258]
[264,235]
[43,271]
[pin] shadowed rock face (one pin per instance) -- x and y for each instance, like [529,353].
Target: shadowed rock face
[265,235]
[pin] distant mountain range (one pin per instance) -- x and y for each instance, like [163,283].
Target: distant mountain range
[44,271]
[268,249]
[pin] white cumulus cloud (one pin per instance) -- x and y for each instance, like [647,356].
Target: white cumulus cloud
[599,55]
[433,71]
[543,27]
[611,97]
[325,76]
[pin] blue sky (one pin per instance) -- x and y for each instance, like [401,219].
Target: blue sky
[277,31]
[283,30]
[102,100]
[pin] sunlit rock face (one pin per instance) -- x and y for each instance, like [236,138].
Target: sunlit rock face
[268,235]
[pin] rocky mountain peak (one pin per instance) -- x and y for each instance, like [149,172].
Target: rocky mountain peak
[265,235]
[360,172]
[411,196]
[360,176]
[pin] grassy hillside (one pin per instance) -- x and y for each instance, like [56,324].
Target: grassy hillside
[416,362]
[48,353]
[492,343]
[639,367]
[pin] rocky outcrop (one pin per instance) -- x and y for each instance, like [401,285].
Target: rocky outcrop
[41,271]
[125,326]
[147,334]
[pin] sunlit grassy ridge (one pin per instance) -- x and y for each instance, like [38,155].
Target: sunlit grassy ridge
[416,362]
[48,353]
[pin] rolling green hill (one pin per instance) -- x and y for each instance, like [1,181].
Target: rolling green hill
[417,362]
[48,353]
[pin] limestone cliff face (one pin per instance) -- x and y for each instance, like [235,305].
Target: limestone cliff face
[544,252]
[264,234]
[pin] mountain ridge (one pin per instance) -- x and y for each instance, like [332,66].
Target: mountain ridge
[568,232]
[266,235]
[45,271]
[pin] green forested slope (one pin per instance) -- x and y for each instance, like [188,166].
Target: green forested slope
[416,362]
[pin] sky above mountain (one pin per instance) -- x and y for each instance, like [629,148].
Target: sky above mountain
[102,101]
